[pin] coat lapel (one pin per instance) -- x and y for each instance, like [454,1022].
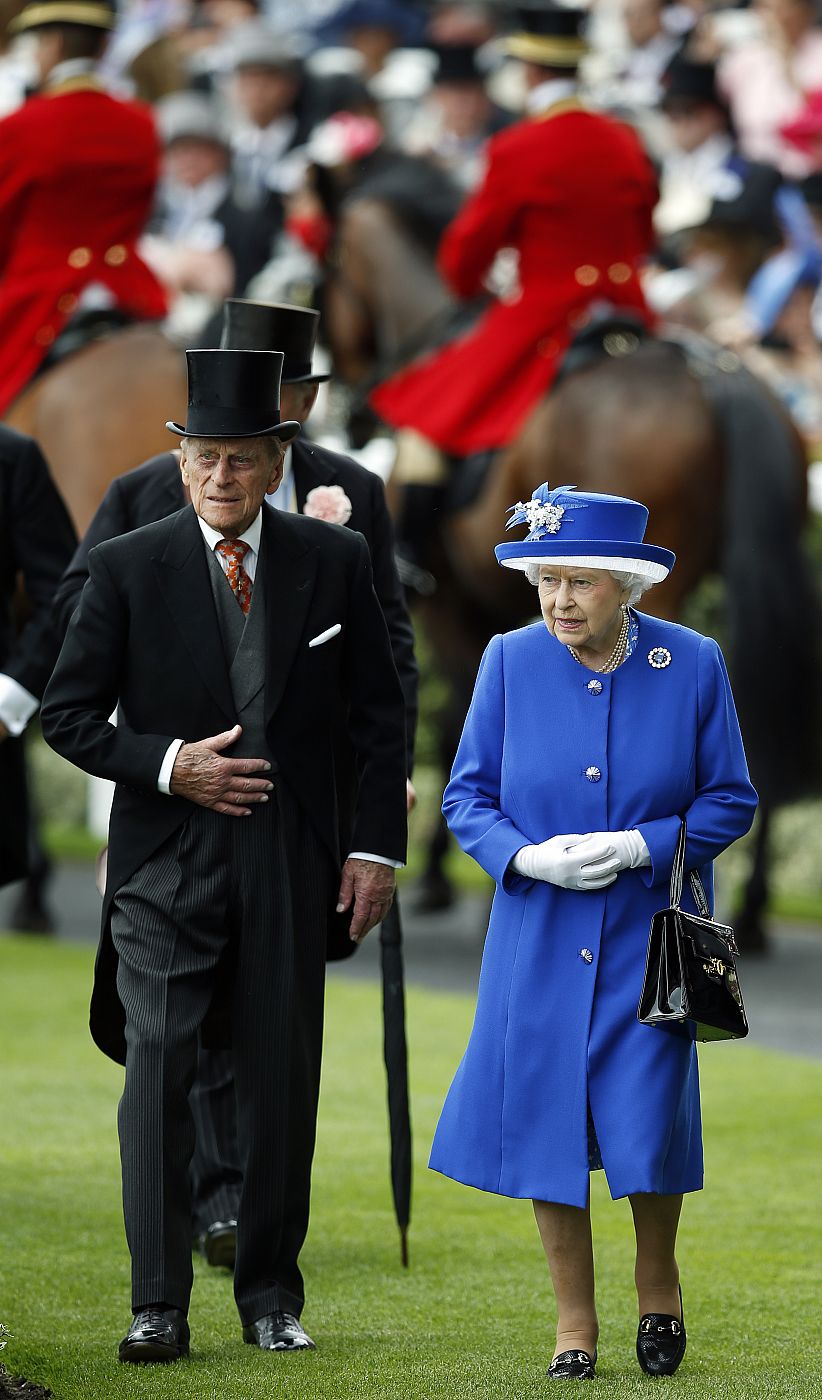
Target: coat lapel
[309,471]
[289,573]
[182,575]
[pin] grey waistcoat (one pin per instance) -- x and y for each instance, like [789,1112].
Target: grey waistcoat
[244,640]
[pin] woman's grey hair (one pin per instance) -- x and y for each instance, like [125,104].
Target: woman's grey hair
[637,584]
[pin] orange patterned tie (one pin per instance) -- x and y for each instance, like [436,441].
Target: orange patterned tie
[234,552]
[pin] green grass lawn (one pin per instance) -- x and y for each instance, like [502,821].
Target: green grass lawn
[473,1317]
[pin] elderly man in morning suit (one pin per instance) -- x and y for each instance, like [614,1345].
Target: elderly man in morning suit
[228,627]
[153,491]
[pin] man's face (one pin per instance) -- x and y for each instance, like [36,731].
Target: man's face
[191,161]
[692,122]
[228,481]
[264,94]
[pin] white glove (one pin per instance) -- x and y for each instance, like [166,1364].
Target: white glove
[629,847]
[574,862]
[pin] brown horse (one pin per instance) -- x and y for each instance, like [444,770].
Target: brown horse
[102,411]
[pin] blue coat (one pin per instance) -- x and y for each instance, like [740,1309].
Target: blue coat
[549,749]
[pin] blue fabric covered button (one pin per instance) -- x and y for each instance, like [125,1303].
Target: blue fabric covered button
[595,687]
[593,774]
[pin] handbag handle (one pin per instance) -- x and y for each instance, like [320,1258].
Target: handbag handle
[678,875]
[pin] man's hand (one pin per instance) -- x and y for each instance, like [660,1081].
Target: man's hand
[410,795]
[370,885]
[4,733]
[202,775]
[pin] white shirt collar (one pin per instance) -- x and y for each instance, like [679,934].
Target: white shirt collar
[554,90]
[70,68]
[251,536]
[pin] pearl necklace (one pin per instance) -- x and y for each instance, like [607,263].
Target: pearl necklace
[617,655]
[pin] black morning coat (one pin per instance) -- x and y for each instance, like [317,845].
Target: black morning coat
[145,634]
[37,540]
[155,489]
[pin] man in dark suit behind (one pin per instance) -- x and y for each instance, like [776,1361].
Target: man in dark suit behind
[152,492]
[36,542]
[228,626]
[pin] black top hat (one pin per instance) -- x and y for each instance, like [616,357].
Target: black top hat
[265,325]
[744,198]
[88,14]
[686,80]
[548,34]
[457,63]
[234,394]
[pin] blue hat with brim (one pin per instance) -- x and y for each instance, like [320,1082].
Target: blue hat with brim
[570,527]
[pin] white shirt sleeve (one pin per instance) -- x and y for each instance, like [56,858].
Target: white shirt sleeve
[17,705]
[380,860]
[164,777]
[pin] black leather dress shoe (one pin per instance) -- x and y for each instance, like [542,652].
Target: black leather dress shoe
[278,1331]
[573,1366]
[156,1334]
[219,1244]
[661,1341]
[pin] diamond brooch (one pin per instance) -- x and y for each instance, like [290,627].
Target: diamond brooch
[659,658]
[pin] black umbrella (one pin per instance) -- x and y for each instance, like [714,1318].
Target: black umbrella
[395,1053]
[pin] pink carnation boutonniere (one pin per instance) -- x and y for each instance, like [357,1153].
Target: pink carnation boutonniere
[328,503]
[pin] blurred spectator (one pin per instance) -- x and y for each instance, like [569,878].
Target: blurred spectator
[381,41]
[765,80]
[652,45]
[272,124]
[456,118]
[722,253]
[202,241]
[277,104]
[702,146]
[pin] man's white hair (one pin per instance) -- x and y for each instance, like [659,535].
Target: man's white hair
[276,446]
[637,584]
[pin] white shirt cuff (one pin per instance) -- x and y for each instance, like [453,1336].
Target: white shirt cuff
[381,860]
[17,705]
[164,778]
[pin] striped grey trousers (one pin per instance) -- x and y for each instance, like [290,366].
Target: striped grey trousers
[245,899]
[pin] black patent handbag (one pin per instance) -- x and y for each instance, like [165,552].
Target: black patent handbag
[691,985]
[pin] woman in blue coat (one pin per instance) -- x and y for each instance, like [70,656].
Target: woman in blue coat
[591,734]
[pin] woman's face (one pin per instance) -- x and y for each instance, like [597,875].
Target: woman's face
[581,606]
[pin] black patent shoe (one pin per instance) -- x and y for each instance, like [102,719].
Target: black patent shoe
[573,1366]
[278,1331]
[156,1334]
[661,1341]
[219,1244]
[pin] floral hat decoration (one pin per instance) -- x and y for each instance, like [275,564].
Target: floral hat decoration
[567,526]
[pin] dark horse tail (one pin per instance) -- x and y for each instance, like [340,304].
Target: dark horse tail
[773,609]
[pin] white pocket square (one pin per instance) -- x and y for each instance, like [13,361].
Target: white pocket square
[326,635]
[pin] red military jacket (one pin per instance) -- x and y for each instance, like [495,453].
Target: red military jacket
[77,175]
[572,192]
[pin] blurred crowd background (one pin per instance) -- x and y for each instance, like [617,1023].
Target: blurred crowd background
[275,115]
